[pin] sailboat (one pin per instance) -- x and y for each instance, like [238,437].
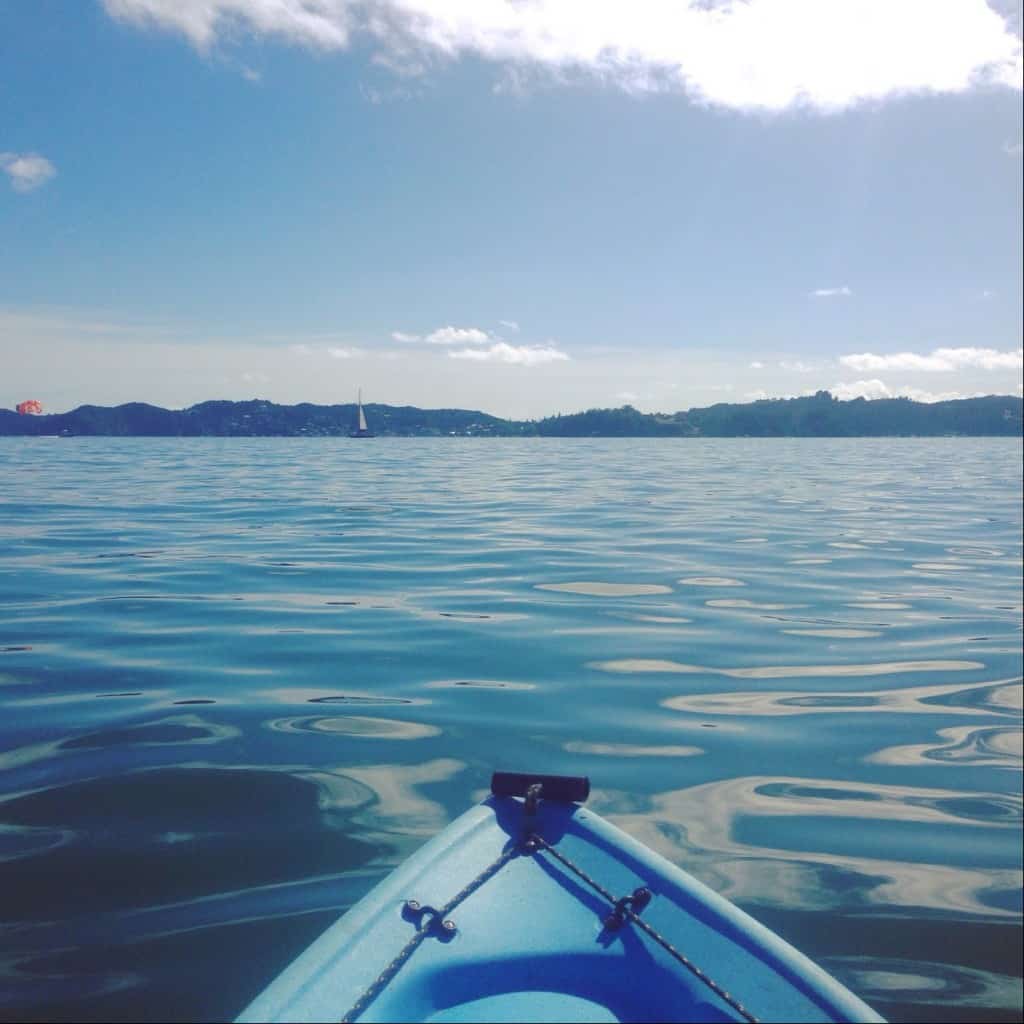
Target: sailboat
[362,430]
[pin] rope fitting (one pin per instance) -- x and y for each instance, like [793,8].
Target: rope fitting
[428,920]
[625,906]
[531,803]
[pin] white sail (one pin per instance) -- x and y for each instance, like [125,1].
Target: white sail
[361,427]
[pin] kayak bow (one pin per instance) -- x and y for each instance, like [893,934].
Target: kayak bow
[531,908]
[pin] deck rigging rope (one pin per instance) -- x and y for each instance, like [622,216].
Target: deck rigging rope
[624,909]
[434,920]
[431,920]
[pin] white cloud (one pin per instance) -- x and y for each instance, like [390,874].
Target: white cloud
[300,350]
[510,325]
[757,55]
[402,336]
[521,355]
[861,389]
[829,293]
[377,96]
[872,389]
[757,365]
[797,366]
[1013,148]
[756,396]
[628,396]
[319,24]
[457,336]
[337,352]
[988,293]
[27,171]
[940,360]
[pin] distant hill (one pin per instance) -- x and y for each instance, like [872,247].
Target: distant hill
[819,415]
[255,418]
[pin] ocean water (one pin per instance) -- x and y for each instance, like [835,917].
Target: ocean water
[242,679]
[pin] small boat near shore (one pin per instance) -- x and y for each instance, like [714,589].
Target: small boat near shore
[529,907]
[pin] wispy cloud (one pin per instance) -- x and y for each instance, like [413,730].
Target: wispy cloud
[377,96]
[874,388]
[757,365]
[517,355]
[1013,148]
[797,366]
[477,345]
[457,336]
[312,23]
[831,293]
[27,171]
[758,55]
[940,360]
[339,352]
[446,336]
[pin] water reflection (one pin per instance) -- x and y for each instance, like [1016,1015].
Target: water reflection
[632,665]
[399,808]
[836,634]
[991,746]
[480,684]
[216,809]
[921,700]
[630,749]
[708,828]
[712,581]
[593,589]
[669,620]
[311,695]
[938,985]
[173,729]
[740,603]
[358,725]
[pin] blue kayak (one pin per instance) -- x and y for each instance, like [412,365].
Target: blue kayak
[531,908]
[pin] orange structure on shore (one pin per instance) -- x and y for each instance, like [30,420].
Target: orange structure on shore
[31,407]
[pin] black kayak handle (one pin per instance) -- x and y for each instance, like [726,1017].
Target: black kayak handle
[560,788]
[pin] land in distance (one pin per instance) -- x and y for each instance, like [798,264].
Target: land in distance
[819,415]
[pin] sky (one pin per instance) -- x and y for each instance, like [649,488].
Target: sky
[518,206]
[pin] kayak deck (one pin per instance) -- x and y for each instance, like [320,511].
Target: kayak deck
[527,938]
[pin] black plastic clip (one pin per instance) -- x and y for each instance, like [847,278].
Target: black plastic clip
[443,929]
[636,903]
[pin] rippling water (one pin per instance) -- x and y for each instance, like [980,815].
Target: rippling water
[242,679]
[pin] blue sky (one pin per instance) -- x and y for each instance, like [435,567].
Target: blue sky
[524,207]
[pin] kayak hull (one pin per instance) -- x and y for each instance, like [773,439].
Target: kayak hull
[530,943]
